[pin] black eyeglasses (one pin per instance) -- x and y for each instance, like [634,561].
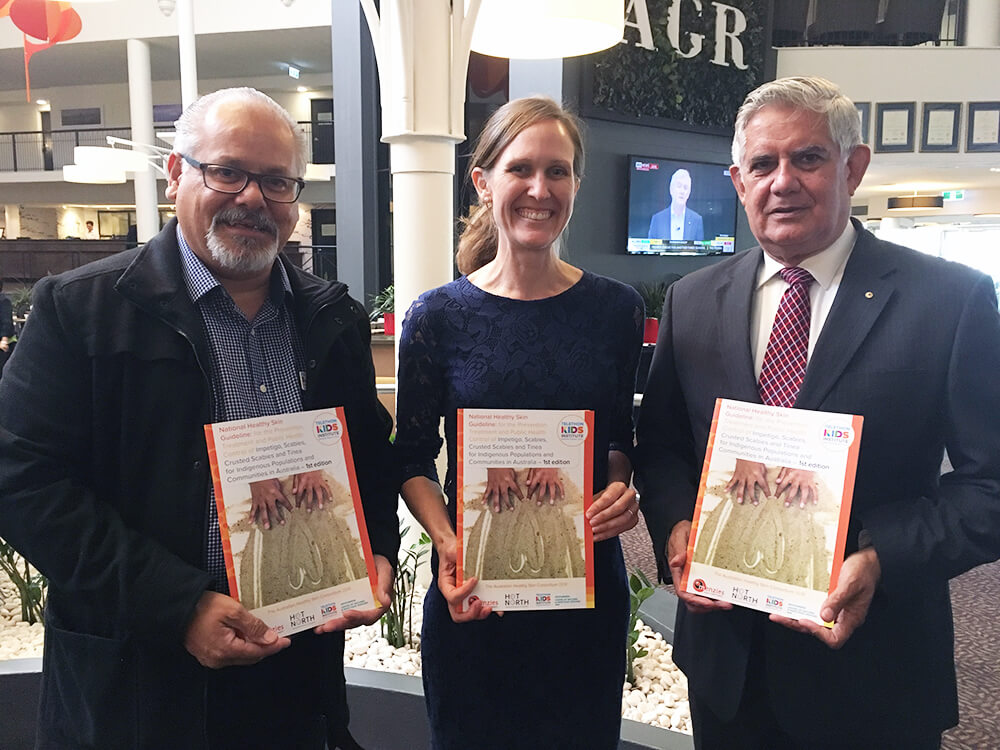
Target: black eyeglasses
[226,179]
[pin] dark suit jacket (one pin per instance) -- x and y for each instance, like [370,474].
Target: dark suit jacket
[659,225]
[912,343]
[104,482]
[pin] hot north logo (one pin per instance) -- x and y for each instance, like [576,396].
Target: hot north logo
[572,430]
[327,428]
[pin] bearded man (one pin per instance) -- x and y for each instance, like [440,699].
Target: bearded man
[104,475]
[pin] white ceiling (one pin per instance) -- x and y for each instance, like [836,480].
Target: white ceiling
[248,54]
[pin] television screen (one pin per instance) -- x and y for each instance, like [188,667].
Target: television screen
[680,208]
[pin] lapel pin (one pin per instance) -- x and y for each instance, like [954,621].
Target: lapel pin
[869,295]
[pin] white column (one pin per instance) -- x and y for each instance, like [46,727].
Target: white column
[186,52]
[12,218]
[982,23]
[140,96]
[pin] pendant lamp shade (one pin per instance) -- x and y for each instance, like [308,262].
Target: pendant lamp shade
[547,29]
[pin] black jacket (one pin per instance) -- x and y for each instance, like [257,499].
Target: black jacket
[104,484]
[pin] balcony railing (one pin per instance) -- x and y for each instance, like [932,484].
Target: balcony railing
[50,151]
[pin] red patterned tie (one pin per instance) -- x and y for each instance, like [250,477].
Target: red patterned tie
[784,365]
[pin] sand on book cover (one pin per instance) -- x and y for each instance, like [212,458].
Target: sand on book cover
[780,550]
[318,562]
[533,551]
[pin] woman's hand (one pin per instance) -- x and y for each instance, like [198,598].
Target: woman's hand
[455,595]
[613,511]
[500,483]
[542,482]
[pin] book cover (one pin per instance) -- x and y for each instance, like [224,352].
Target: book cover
[779,550]
[535,551]
[317,562]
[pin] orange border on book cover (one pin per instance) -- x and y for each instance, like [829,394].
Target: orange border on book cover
[460,501]
[220,509]
[359,511]
[588,499]
[701,494]
[847,497]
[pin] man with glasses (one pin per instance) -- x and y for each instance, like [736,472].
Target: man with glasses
[104,478]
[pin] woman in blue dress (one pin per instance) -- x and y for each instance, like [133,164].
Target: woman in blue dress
[522,329]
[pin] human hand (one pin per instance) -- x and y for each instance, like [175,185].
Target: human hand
[500,483]
[613,511]
[310,487]
[266,499]
[545,482]
[847,606]
[223,633]
[797,485]
[677,546]
[455,595]
[383,593]
[4,344]
[749,478]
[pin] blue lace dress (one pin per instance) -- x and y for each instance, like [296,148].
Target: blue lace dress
[527,679]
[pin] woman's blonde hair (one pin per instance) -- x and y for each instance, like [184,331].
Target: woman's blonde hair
[477,244]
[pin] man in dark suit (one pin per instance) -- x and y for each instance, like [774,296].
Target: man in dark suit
[910,342]
[677,221]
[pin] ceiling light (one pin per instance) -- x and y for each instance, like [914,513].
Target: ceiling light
[120,159]
[558,28]
[915,202]
[995,169]
[302,89]
[93,175]
[293,72]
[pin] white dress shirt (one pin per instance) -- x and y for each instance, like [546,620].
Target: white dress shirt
[826,267]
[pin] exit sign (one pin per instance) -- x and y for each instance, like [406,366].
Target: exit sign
[953,195]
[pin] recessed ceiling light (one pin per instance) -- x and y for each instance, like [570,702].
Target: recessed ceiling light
[293,72]
[995,169]
[302,89]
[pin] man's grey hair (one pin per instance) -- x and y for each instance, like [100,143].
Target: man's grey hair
[191,123]
[803,92]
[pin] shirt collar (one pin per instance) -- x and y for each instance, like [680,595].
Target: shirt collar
[200,281]
[824,265]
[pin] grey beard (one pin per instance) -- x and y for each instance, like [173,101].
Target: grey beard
[243,255]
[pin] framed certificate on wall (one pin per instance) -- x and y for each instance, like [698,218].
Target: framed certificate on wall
[983,132]
[894,126]
[940,126]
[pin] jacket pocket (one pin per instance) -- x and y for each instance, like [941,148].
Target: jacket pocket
[88,691]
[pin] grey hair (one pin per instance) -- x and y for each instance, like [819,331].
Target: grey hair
[803,92]
[676,175]
[189,127]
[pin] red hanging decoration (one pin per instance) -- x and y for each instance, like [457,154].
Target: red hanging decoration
[48,21]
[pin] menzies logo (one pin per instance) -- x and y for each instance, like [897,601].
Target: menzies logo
[572,430]
[327,428]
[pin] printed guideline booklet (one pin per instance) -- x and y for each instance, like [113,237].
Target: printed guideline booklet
[536,551]
[781,549]
[318,562]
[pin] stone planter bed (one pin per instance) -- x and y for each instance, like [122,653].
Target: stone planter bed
[658,697]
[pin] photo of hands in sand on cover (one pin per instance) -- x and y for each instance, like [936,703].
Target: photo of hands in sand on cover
[773,522]
[293,535]
[522,524]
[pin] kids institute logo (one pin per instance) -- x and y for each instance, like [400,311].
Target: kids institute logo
[572,430]
[837,436]
[327,429]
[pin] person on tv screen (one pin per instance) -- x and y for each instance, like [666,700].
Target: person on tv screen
[677,221]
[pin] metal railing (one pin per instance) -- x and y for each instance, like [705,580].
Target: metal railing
[36,150]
